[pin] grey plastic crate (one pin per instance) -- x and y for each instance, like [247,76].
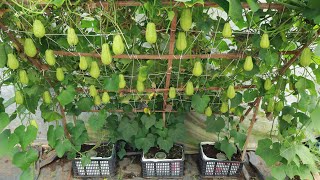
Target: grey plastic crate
[99,166]
[215,167]
[169,168]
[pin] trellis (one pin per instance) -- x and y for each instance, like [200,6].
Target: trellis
[166,57]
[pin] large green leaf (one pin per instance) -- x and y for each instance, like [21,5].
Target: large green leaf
[228,148]
[165,144]
[236,100]
[97,121]
[265,148]
[4,120]
[253,4]
[85,104]
[215,124]
[278,172]
[51,136]
[26,136]
[67,95]
[239,138]
[235,10]
[250,95]
[112,83]
[145,143]
[199,103]
[7,142]
[49,116]
[24,159]
[128,128]
[148,120]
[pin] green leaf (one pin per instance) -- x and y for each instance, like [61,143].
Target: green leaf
[215,125]
[315,119]
[97,121]
[239,138]
[254,6]
[27,174]
[305,155]
[58,3]
[250,95]
[128,128]
[265,148]
[67,95]
[7,142]
[200,103]
[26,137]
[4,120]
[24,159]
[165,144]
[235,10]
[51,136]
[85,104]
[236,100]
[316,72]
[112,83]
[304,83]
[145,143]
[289,153]
[50,116]
[62,147]
[278,172]
[148,120]
[228,148]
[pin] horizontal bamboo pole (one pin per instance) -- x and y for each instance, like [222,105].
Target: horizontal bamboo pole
[134,110]
[177,89]
[230,56]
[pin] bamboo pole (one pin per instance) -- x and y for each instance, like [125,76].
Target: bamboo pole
[230,56]
[254,117]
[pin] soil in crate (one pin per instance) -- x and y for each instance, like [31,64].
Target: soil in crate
[175,152]
[210,151]
[104,150]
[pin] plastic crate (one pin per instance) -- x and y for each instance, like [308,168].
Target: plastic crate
[99,166]
[169,168]
[215,167]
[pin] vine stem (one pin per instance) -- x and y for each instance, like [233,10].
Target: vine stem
[254,117]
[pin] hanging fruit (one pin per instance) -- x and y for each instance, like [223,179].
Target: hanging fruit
[46,97]
[140,86]
[208,111]
[117,45]
[224,107]
[12,62]
[197,69]
[172,93]
[181,43]
[122,82]
[38,29]
[29,48]
[97,100]
[186,19]
[83,65]
[279,106]
[267,84]
[19,97]
[106,56]
[189,89]
[72,37]
[50,58]
[23,77]
[93,91]
[94,70]
[270,106]
[264,42]
[305,58]
[151,33]
[105,98]
[231,92]
[60,74]
[248,65]
[227,31]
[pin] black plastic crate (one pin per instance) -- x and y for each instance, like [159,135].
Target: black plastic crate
[169,168]
[98,167]
[215,167]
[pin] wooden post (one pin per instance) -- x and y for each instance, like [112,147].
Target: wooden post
[254,117]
